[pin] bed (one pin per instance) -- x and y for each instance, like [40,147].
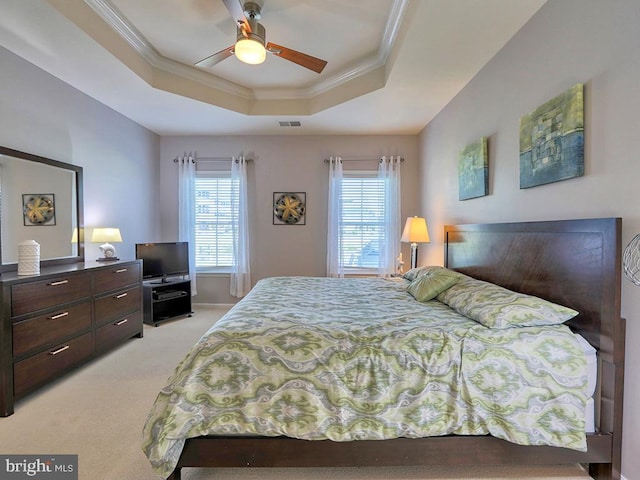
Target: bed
[573,263]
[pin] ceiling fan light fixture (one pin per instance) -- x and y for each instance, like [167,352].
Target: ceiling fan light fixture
[250,51]
[250,45]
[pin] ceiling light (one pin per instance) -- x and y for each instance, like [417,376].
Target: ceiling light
[250,51]
[250,45]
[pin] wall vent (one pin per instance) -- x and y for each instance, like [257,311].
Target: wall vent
[292,123]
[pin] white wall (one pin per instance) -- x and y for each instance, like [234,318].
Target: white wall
[41,115]
[282,164]
[567,42]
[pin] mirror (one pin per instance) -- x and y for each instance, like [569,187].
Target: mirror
[41,200]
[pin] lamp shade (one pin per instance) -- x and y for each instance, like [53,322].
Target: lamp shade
[415,231]
[106,235]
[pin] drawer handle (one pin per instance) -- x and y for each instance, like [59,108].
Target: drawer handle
[60,315]
[122,295]
[60,350]
[60,282]
[120,270]
[121,322]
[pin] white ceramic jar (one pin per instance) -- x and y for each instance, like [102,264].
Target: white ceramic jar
[29,258]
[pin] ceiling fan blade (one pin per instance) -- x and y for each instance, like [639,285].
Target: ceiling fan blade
[302,59]
[211,60]
[237,12]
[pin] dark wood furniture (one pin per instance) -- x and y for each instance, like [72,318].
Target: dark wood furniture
[575,263]
[62,318]
[166,300]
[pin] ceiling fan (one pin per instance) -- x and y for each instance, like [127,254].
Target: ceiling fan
[250,46]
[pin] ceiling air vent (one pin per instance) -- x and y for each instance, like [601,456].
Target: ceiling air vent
[292,123]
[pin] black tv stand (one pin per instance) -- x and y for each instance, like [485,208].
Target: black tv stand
[162,281]
[166,299]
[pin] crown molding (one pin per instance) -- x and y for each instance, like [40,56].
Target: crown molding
[116,20]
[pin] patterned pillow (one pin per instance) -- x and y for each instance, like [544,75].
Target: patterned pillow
[431,283]
[496,307]
[414,273]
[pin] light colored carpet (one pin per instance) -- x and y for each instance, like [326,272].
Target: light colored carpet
[98,410]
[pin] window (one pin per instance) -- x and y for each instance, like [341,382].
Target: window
[361,232]
[214,221]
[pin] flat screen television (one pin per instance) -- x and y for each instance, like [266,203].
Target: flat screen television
[163,260]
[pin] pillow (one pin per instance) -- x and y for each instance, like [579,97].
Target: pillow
[431,283]
[414,273]
[496,307]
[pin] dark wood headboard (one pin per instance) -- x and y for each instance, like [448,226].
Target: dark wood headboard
[576,263]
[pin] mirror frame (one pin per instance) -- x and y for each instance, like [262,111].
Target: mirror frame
[10,267]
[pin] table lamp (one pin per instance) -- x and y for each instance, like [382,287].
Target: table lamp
[415,232]
[106,236]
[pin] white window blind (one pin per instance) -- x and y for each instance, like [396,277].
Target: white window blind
[214,220]
[361,232]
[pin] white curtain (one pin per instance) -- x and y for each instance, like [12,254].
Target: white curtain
[240,271]
[389,170]
[334,267]
[187,210]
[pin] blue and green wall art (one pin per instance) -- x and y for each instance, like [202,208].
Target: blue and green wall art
[552,140]
[473,170]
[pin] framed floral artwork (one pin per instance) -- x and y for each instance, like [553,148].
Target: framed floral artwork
[289,208]
[38,209]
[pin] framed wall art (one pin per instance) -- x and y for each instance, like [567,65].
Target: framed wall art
[473,170]
[552,140]
[38,209]
[289,208]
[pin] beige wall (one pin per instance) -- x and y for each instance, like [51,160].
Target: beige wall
[41,115]
[567,42]
[282,164]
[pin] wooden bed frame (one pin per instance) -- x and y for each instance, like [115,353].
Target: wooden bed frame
[576,263]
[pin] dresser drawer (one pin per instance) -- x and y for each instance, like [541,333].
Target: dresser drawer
[50,328]
[116,277]
[34,296]
[40,368]
[115,331]
[117,304]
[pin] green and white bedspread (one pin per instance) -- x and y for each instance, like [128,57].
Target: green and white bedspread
[354,359]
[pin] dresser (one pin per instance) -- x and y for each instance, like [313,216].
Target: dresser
[62,318]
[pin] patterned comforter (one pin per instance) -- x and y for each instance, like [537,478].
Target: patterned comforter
[354,359]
